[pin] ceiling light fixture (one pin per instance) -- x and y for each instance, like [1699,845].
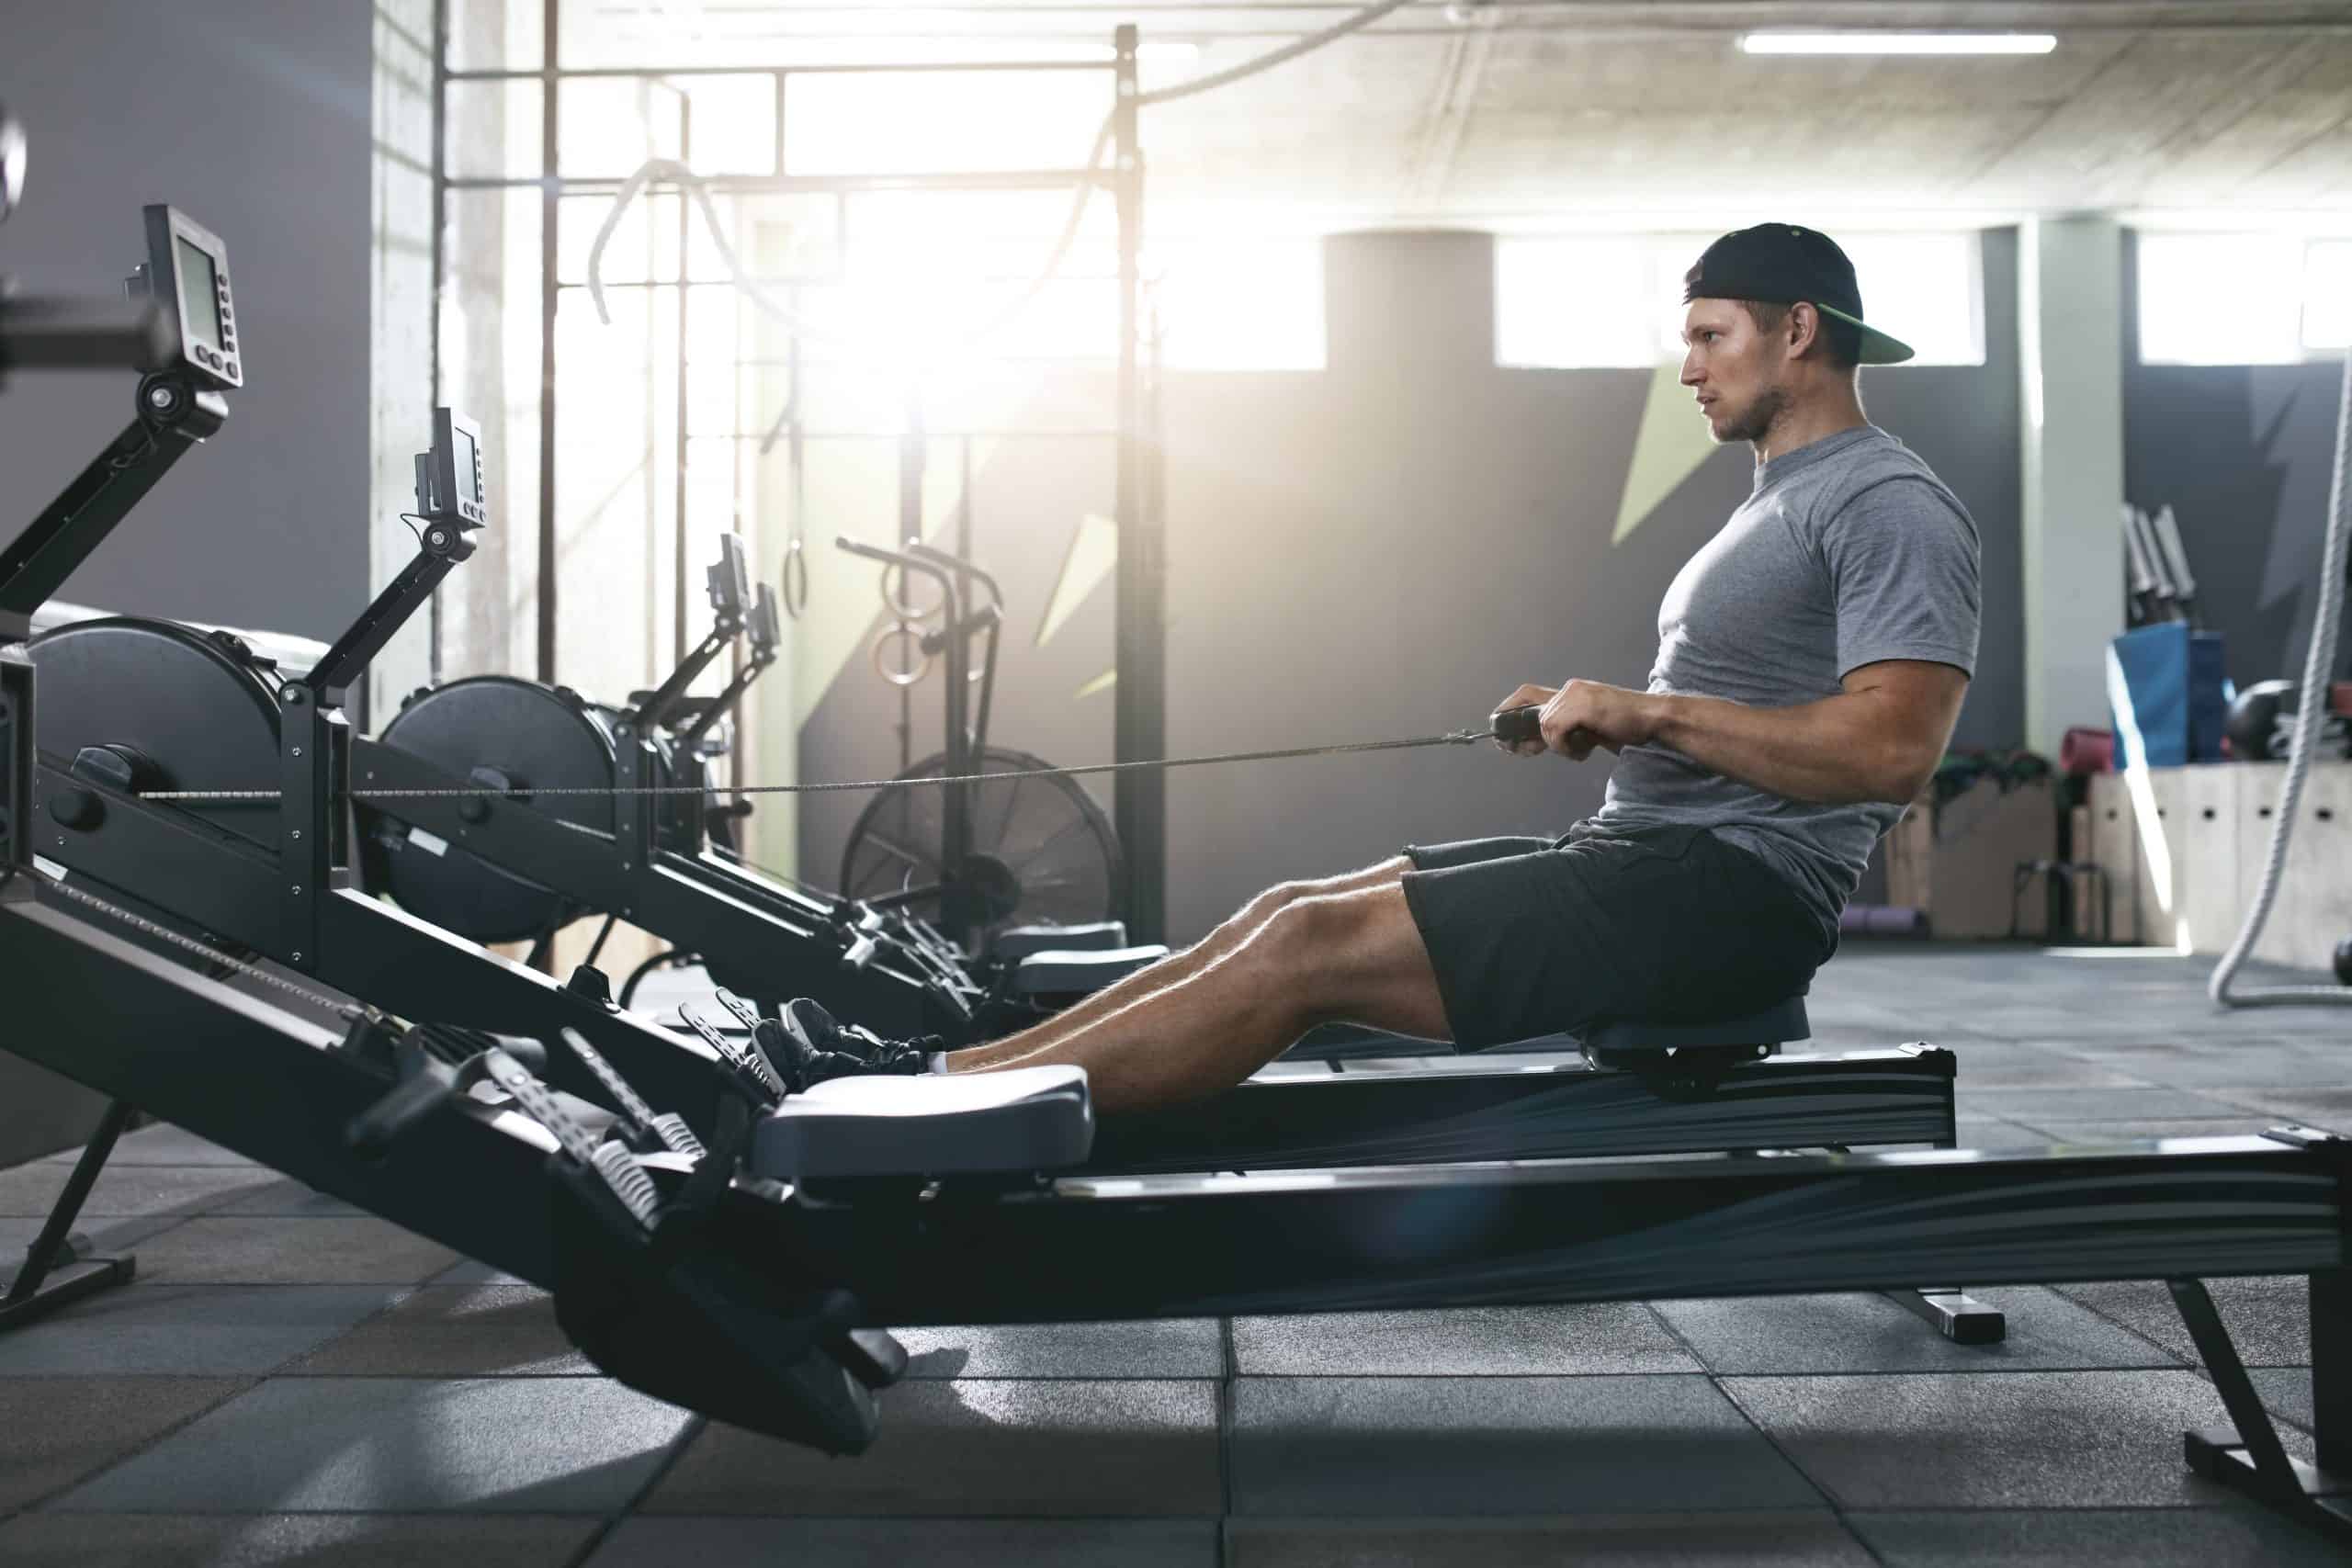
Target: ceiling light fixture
[1870,42]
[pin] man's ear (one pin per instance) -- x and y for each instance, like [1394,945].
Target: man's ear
[1804,328]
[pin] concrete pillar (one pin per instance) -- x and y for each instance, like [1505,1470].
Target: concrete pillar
[2069,321]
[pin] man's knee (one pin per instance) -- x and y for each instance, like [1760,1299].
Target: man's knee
[1317,932]
[1269,903]
[1339,955]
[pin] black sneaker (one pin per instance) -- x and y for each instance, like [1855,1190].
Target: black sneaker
[809,1047]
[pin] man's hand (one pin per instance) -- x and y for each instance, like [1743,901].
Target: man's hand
[1583,715]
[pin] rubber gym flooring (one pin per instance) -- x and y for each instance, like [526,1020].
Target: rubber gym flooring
[290,1380]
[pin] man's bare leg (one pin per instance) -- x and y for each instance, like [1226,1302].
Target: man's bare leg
[1177,966]
[1354,955]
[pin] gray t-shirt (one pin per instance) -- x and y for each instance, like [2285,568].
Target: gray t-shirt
[1849,551]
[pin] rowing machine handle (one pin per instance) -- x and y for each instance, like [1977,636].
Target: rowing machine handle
[1516,726]
[371,1133]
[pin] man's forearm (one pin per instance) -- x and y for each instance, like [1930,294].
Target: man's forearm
[1835,751]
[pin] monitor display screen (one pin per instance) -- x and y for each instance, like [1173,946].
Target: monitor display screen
[200,296]
[469,472]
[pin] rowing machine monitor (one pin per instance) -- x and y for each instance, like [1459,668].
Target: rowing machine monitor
[187,273]
[183,333]
[729,579]
[449,478]
[450,504]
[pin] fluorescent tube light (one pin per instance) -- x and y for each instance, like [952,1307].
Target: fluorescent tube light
[1872,42]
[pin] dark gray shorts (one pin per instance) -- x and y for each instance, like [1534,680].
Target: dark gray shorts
[1538,936]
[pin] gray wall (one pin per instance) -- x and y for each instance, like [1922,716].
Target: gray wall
[1386,548]
[254,116]
[2242,453]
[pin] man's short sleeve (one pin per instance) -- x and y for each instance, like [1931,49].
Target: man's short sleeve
[1903,566]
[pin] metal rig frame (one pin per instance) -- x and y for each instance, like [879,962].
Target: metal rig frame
[1139,721]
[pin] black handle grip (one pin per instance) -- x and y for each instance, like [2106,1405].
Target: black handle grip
[1515,727]
[371,1133]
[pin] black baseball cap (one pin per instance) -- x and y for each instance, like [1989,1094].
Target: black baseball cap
[1782,263]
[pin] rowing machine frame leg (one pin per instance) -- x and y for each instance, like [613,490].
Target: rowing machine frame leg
[35,1295]
[1954,1313]
[1949,1309]
[1957,1316]
[2252,1460]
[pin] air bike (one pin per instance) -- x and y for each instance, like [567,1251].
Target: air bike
[747,1272]
[201,792]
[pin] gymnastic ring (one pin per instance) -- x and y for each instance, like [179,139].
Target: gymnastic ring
[793,579]
[904,608]
[902,674]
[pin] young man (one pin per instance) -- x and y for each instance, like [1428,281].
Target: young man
[1812,658]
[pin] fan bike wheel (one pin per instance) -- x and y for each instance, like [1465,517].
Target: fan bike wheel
[163,707]
[1042,853]
[501,732]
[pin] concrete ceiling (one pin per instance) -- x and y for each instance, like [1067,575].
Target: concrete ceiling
[1544,113]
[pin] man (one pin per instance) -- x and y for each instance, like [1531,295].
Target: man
[1812,658]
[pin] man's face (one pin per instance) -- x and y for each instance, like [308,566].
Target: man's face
[1734,368]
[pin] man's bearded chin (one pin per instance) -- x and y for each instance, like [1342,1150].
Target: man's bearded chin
[1756,419]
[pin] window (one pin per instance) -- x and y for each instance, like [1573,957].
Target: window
[2243,298]
[1581,302]
[2327,296]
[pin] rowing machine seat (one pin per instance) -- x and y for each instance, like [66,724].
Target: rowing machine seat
[937,1124]
[1627,1041]
[1014,943]
[1058,972]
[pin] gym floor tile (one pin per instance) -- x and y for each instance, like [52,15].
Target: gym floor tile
[2285,1392]
[473,1271]
[189,1330]
[1854,1333]
[129,1190]
[259,1251]
[1180,1348]
[2062,1018]
[454,1331]
[106,1237]
[865,1543]
[1383,1446]
[54,1431]
[2229,1536]
[2203,1064]
[1538,1341]
[396,1444]
[2013,1067]
[291,1540]
[1993,1133]
[288,1200]
[160,1144]
[2327,1108]
[2269,1319]
[2161,1127]
[977,1448]
[2031,1107]
[1791,1539]
[2023,1440]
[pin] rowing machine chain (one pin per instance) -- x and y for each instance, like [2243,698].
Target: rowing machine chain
[146,926]
[1452,738]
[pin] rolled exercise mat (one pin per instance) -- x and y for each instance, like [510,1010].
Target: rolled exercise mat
[1883,919]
